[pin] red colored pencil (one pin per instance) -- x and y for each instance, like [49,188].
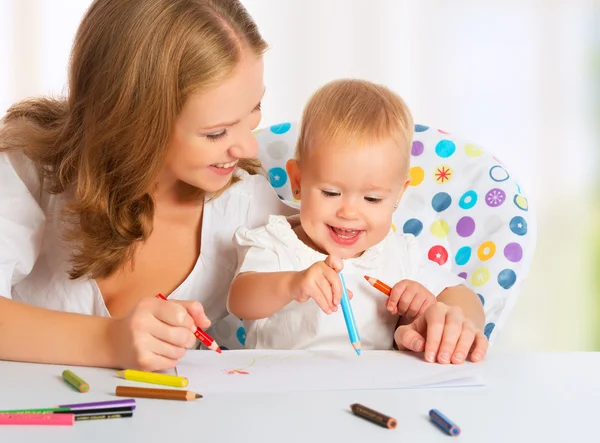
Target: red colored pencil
[378,284]
[206,339]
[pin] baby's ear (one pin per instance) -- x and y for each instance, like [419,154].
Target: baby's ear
[406,184]
[401,193]
[293,170]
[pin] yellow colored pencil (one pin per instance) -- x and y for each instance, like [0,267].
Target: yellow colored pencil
[153,378]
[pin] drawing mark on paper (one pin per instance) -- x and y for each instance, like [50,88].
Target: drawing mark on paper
[241,370]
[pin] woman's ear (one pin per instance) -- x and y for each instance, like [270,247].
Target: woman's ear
[293,170]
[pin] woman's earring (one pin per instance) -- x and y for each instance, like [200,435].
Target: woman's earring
[396,206]
[296,191]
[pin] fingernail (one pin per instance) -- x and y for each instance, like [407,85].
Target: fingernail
[444,356]
[458,356]
[416,344]
[476,357]
[430,357]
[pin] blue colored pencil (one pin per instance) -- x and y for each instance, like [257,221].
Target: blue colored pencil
[349,318]
[444,423]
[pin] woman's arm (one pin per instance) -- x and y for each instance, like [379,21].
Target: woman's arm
[29,333]
[467,300]
[449,330]
[152,337]
[32,334]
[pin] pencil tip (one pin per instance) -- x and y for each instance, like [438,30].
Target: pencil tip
[367,278]
[120,373]
[358,351]
[219,350]
[198,396]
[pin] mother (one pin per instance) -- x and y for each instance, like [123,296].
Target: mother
[131,186]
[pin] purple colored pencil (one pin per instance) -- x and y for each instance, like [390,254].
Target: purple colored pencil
[129,402]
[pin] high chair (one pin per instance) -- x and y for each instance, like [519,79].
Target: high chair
[467,211]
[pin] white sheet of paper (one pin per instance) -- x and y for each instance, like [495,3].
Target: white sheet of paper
[285,371]
[466,382]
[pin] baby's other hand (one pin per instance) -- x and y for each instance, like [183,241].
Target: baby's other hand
[409,299]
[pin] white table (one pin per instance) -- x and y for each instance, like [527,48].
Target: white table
[528,398]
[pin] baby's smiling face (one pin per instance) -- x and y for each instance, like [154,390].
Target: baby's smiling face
[348,192]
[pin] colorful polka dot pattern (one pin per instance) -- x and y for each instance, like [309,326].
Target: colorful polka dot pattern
[467,211]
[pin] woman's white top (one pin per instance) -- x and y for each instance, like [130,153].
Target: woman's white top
[34,261]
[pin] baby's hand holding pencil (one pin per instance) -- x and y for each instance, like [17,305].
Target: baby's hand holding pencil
[321,283]
[409,299]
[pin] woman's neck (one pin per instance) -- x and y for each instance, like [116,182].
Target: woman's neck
[176,192]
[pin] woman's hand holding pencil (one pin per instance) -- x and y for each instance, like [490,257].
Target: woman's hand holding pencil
[155,335]
[199,333]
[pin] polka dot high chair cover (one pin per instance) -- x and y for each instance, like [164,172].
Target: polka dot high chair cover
[468,213]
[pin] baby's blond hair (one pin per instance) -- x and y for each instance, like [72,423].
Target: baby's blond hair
[356,110]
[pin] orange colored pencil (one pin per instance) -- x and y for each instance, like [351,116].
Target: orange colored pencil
[206,339]
[378,284]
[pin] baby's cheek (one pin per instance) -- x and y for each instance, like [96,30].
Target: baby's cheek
[379,231]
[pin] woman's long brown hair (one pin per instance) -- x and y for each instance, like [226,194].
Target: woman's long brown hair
[133,65]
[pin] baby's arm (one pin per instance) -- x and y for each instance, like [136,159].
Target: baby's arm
[264,277]
[255,295]
[267,281]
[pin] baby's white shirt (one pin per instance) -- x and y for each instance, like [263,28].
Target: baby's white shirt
[276,247]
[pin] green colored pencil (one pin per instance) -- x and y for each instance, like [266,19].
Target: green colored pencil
[36,411]
[75,381]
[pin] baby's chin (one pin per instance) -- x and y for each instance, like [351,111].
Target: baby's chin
[345,253]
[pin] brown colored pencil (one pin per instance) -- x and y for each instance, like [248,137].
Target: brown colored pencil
[374,416]
[162,394]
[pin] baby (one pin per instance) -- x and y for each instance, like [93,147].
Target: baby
[350,172]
